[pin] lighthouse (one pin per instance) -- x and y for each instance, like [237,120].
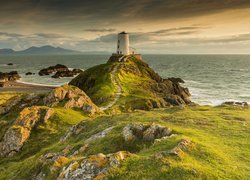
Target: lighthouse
[123,44]
[124,51]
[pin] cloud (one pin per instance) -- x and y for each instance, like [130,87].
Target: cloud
[100,30]
[50,35]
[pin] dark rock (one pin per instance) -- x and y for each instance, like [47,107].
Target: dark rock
[174,100]
[10,64]
[67,73]
[53,69]
[11,76]
[234,103]
[29,73]
[176,80]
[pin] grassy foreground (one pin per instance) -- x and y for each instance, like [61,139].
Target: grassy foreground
[220,144]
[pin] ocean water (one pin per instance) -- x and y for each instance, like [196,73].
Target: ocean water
[211,79]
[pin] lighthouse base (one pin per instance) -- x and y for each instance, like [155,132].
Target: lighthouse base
[123,58]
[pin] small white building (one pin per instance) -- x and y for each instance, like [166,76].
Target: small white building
[123,49]
[123,44]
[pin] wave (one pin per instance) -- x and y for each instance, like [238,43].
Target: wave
[38,84]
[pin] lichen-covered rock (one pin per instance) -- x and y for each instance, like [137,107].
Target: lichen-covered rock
[71,97]
[19,102]
[19,132]
[99,135]
[74,130]
[93,167]
[145,133]
[176,151]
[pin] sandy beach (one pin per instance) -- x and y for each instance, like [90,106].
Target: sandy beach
[14,86]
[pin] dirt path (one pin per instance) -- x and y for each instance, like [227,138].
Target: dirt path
[118,87]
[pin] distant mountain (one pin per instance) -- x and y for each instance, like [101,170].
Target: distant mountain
[6,51]
[44,50]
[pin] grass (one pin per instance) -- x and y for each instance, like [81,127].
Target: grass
[220,138]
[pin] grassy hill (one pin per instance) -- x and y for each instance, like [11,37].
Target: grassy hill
[205,142]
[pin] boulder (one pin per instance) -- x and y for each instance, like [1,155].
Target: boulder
[234,103]
[11,76]
[29,73]
[176,151]
[93,167]
[99,135]
[20,131]
[72,97]
[145,133]
[174,100]
[10,64]
[53,69]
[67,73]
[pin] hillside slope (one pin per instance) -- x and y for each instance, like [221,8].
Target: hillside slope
[205,143]
[141,87]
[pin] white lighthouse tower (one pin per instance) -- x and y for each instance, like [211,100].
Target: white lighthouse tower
[123,44]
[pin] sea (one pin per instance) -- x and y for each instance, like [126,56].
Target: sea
[211,79]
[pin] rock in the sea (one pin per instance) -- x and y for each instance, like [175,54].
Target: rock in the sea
[11,76]
[72,97]
[93,167]
[67,73]
[234,103]
[145,133]
[53,69]
[10,64]
[29,73]
[19,132]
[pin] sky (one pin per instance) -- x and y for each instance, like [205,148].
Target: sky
[155,26]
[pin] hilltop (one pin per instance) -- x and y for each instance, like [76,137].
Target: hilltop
[138,86]
[121,120]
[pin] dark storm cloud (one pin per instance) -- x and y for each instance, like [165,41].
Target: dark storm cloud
[114,10]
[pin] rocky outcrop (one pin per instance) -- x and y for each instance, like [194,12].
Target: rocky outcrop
[67,73]
[10,64]
[53,69]
[20,131]
[146,133]
[176,151]
[73,131]
[93,167]
[99,135]
[18,103]
[11,76]
[176,80]
[71,97]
